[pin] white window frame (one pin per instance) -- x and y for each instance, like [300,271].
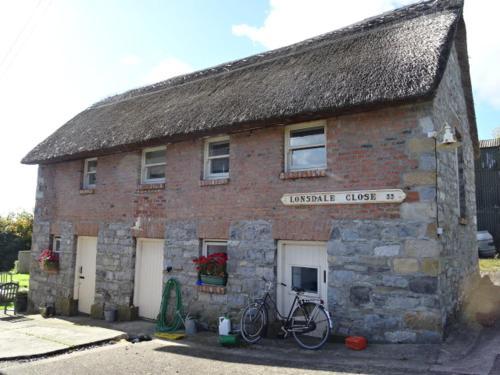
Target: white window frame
[56,239]
[86,184]
[289,149]
[212,242]
[144,167]
[214,176]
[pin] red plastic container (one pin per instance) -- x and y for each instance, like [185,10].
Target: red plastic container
[356,342]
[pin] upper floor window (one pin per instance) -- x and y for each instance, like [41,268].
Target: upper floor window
[153,165]
[305,146]
[89,173]
[216,158]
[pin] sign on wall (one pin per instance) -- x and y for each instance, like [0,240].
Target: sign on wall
[344,197]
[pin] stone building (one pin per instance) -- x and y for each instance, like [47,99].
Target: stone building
[319,164]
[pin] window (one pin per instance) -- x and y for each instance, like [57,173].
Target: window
[217,158]
[305,146]
[153,165]
[56,244]
[89,173]
[214,246]
[461,180]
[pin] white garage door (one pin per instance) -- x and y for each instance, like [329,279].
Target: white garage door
[148,277]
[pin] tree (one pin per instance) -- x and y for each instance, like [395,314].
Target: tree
[15,235]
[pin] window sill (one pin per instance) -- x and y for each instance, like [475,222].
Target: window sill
[218,181]
[213,289]
[87,191]
[151,187]
[303,174]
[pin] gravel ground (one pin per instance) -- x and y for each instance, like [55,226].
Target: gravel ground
[160,357]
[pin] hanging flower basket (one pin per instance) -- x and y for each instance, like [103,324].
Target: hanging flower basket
[49,261]
[212,269]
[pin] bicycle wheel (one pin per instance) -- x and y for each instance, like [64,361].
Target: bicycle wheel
[253,322]
[310,326]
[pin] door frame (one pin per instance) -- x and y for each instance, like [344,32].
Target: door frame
[279,269]
[138,260]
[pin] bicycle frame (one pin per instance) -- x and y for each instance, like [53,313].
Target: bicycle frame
[285,321]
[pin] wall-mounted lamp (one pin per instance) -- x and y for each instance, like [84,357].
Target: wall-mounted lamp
[448,137]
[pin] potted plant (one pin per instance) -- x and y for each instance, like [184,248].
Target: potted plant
[49,261]
[212,268]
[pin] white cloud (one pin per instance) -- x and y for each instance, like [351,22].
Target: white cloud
[290,21]
[484,49]
[168,68]
[130,60]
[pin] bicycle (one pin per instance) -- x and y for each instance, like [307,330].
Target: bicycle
[308,320]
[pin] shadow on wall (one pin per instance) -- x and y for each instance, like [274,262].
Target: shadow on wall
[484,302]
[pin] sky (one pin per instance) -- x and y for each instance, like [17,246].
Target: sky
[57,57]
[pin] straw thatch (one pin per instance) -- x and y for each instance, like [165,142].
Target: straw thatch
[396,57]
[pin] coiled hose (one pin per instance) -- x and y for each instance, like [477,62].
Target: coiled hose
[161,323]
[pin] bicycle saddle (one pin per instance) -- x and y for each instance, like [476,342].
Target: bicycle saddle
[298,290]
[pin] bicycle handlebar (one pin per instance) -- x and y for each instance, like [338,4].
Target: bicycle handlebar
[269,281]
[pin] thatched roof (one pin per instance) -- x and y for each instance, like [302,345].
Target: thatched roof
[396,57]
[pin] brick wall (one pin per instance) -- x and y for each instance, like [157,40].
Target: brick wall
[367,150]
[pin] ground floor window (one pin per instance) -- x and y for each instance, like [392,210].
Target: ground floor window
[214,246]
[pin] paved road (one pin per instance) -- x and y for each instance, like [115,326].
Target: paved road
[160,357]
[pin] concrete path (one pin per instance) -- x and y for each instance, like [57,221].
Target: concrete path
[31,335]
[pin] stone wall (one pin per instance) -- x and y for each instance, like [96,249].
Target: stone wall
[54,289]
[459,259]
[383,280]
[251,253]
[24,261]
[115,267]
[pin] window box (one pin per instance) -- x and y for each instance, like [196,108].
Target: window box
[89,173]
[211,266]
[213,280]
[216,158]
[305,146]
[153,165]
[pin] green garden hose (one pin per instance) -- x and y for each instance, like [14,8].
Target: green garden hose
[161,323]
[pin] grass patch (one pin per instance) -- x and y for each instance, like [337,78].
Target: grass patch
[23,279]
[489,265]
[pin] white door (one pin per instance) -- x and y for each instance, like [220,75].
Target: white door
[301,265]
[148,286]
[86,251]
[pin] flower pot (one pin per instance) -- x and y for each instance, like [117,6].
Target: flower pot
[214,280]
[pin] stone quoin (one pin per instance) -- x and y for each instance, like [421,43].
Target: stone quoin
[311,163]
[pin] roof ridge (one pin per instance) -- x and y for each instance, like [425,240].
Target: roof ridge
[397,15]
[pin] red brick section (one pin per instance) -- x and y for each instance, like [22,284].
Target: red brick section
[302,174]
[214,289]
[364,151]
[219,181]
